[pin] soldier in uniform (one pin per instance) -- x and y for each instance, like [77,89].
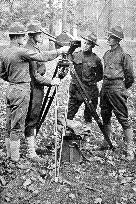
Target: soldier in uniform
[15,70]
[38,81]
[90,71]
[118,76]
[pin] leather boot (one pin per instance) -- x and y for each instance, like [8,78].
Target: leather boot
[104,145]
[128,133]
[7,144]
[31,151]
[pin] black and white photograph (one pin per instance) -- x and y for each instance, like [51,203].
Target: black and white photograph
[67,102]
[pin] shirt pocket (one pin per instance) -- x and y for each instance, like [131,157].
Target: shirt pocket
[89,69]
[116,63]
[78,59]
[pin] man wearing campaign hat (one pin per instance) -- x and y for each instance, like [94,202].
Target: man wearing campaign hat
[15,70]
[90,71]
[38,81]
[118,76]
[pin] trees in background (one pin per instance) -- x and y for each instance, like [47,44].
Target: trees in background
[85,15]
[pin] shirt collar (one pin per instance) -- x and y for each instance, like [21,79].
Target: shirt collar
[115,48]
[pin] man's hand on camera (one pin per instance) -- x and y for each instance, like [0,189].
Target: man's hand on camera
[74,44]
[55,81]
[63,50]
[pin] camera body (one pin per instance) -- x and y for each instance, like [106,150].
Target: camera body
[63,64]
[75,43]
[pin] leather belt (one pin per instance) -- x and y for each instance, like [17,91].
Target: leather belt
[19,82]
[113,79]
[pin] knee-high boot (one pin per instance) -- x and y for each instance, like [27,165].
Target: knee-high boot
[105,145]
[128,133]
[15,146]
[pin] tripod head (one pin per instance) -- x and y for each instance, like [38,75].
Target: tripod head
[63,66]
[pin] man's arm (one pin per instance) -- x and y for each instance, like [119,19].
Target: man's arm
[99,70]
[52,54]
[44,56]
[128,70]
[45,81]
[39,71]
[3,72]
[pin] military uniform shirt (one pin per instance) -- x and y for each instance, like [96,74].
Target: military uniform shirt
[88,67]
[14,63]
[117,63]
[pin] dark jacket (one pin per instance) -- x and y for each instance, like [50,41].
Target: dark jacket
[89,68]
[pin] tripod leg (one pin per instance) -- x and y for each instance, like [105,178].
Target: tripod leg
[45,111]
[63,134]
[56,132]
[64,130]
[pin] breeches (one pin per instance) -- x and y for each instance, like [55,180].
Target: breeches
[36,99]
[116,101]
[17,99]
[75,101]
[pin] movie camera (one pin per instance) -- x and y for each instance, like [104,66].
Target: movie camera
[63,64]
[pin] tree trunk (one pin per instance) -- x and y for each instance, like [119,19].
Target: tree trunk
[51,31]
[133,29]
[109,20]
[64,15]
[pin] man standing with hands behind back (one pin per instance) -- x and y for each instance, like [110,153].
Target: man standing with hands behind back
[118,76]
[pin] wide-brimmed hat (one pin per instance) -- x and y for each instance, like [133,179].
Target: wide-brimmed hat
[116,32]
[34,27]
[17,28]
[92,38]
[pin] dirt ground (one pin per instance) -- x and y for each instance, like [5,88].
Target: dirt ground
[105,178]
